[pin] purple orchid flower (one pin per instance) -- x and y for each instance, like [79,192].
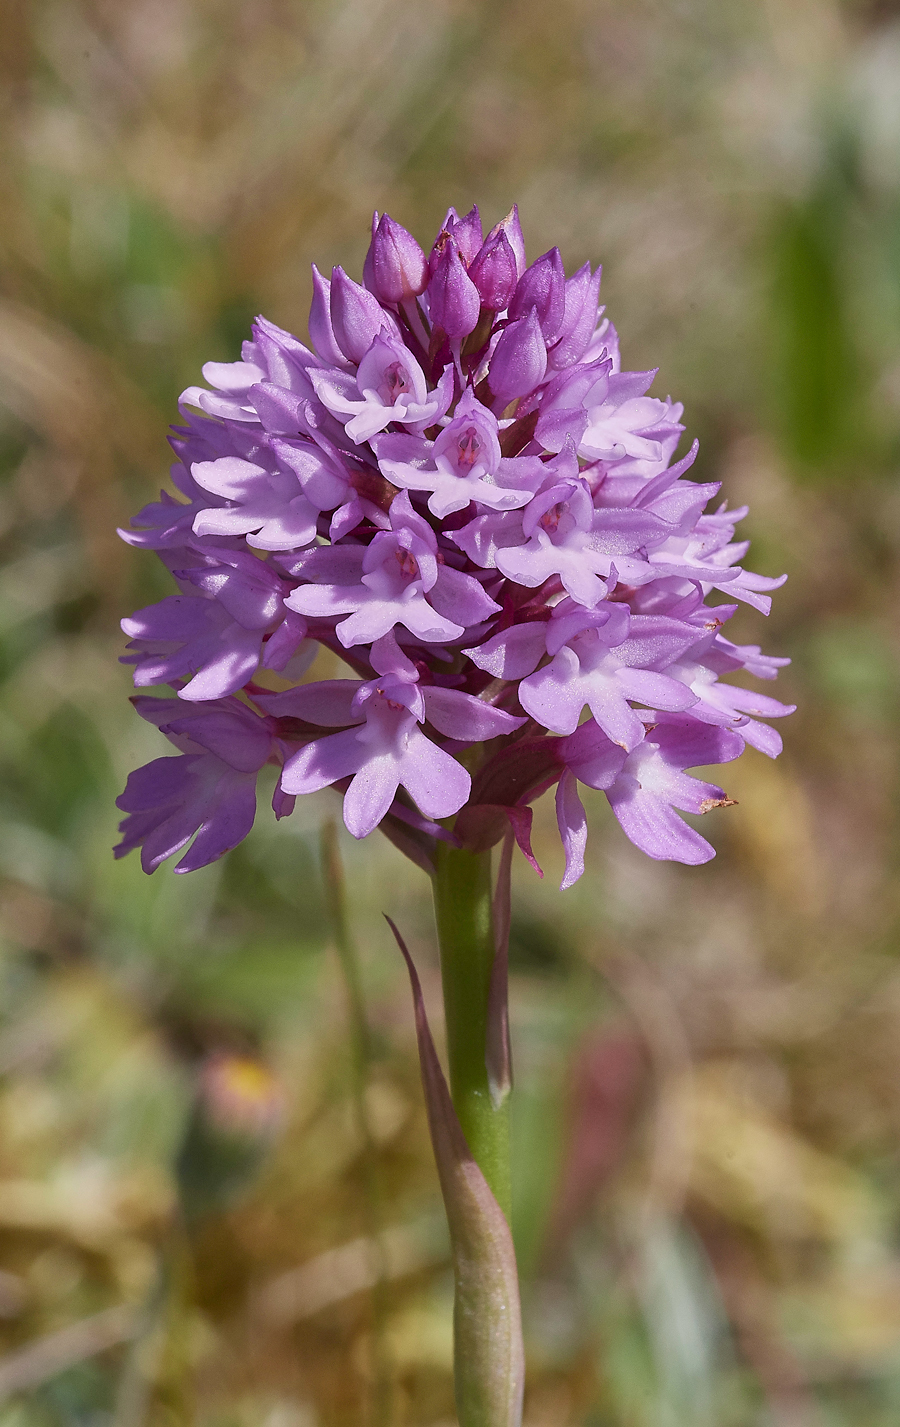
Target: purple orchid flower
[273,357]
[461,464]
[275,500]
[494,271]
[357,317]
[210,790]
[465,232]
[607,414]
[459,467]
[395,269]
[386,749]
[725,704]
[604,659]
[400,582]
[560,533]
[268,506]
[579,319]
[215,640]
[519,360]
[542,288]
[389,386]
[453,299]
[646,788]
[231,383]
[706,554]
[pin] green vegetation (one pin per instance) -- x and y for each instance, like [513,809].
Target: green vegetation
[707,1119]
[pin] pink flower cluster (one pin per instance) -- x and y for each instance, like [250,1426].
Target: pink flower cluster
[458,491]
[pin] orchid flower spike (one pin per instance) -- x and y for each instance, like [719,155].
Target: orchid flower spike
[457,490]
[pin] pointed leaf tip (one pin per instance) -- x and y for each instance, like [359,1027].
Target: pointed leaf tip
[489,1354]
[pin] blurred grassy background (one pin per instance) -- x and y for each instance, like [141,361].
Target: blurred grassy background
[708,1060]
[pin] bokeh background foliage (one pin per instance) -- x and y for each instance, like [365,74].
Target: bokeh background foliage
[708,1060]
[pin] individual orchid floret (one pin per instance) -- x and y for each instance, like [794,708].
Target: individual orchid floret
[650,784]
[357,317]
[726,705]
[210,790]
[388,386]
[386,749]
[459,467]
[168,524]
[564,536]
[268,506]
[275,362]
[330,482]
[187,637]
[453,299]
[395,269]
[605,660]
[578,321]
[320,328]
[706,554]
[653,783]
[511,229]
[400,582]
[494,271]
[608,418]
[231,383]
[466,233]
[383,751]
[542,288]
[627,425]
[215,639]
[519,360]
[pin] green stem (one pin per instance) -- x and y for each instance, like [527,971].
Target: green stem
[465,927]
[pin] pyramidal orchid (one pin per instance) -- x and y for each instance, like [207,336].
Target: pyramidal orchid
[457,490]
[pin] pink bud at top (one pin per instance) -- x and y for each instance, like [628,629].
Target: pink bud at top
[511,228]
[543,287]
[356,316]
[395,269]
[466,232]
[320,329]
[493,272]
[454,301]
[519,360]
[579,321]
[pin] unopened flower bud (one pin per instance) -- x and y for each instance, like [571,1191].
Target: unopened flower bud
[519,360]
[320,328]
[579,321]
[542,287]
[395,269]
[356,316]
[454,301]
[511,228]
[466,233]
[493,272]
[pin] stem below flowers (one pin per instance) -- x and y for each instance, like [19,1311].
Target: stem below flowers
[465,928]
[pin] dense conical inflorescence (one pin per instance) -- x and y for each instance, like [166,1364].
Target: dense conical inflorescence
[458,491]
